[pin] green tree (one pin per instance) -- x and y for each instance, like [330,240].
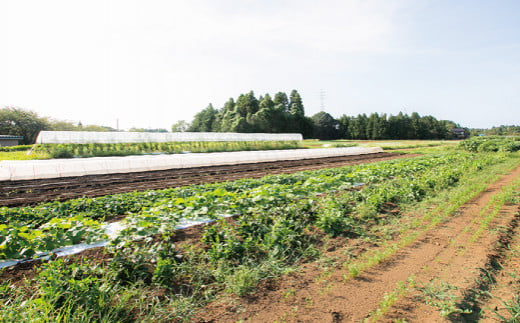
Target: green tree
[281,100]
[296,104]
[306,126]
[204,120]
[226,121]
[267,102]
[247,104]
[344,125]
[59,125]
[376,127]
[325,126]
[20,122]
[229,106]
[93,127]
[262,121]
[357,127]
[239,124]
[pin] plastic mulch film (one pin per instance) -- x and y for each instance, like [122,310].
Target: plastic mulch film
[54,168]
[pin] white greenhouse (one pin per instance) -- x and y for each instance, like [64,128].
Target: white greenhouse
[91,137]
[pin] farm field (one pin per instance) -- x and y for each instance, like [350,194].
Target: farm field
[26,192]
[410,239]
[90,150]
[385,144]
[48,151]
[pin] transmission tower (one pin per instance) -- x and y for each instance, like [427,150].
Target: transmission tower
[322,99]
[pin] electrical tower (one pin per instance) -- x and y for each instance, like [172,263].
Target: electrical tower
[322,99]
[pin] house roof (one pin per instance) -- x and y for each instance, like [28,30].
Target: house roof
[9,137]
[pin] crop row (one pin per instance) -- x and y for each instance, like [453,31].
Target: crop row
[26,230]
[15,148]
[125,149]
[107,207]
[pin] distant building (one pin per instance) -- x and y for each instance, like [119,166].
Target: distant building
[8,140]
[459,133]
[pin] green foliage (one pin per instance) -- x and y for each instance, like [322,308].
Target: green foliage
[20,122]
[60,125]
[16,148]
[23,242]
[325,126]
[204,121]
[278,219]
[333,215]
[70,291]
[491,144]
[158,212]
[400,126]
[442,296]
[125,149]
[287,114]
[146,261]
[512,308]
[511,130]
[28,124]
[296,104]
[249,114]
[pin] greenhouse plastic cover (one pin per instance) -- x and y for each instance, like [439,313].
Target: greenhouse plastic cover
[53,168]
[87,137]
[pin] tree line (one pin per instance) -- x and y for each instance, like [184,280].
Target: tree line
[284,113]
[498,131]
[28,124]
[382,126]
[278,114]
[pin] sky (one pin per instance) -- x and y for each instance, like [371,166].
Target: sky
[148,64]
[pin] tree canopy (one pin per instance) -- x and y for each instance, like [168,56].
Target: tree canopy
[250,114]
[283,113]
[20,122]
[325,126]
[28,124]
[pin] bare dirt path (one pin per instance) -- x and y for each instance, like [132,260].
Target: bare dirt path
[445,253]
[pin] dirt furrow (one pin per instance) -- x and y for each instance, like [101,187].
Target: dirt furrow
[460,266]
[506,282]
[307,297]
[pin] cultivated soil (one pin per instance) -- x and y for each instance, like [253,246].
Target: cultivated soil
[480,274]
[27,192]
[441,256]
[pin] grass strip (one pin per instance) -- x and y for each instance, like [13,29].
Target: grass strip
[493,207]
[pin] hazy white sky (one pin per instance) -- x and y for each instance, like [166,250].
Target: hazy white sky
[151,63]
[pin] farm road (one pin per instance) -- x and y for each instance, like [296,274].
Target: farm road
[441,254]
